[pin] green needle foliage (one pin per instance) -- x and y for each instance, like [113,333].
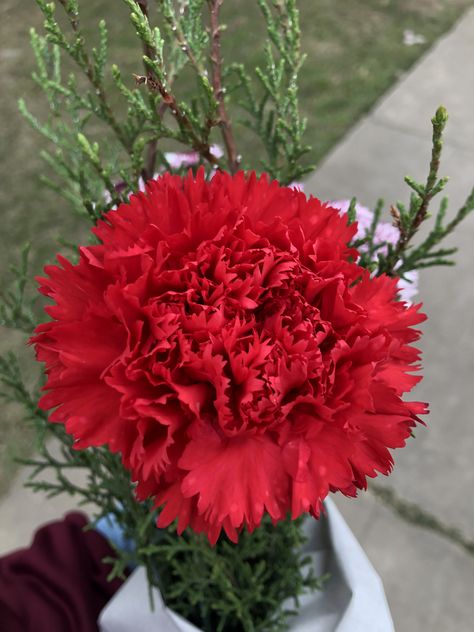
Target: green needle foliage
[94,144]
[107,131]
[254,585]
[405,256]
[16,311]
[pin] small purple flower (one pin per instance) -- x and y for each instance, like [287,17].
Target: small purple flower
[385,233]
[177,160]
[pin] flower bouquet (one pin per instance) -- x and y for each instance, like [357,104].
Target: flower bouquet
[225,351]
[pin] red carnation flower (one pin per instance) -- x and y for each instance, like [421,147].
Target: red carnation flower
[222,339]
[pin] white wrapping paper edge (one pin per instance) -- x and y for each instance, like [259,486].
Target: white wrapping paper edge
[352,601]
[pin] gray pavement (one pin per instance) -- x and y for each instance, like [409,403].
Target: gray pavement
[429,580]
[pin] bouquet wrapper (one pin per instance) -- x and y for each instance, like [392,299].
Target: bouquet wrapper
[353,599]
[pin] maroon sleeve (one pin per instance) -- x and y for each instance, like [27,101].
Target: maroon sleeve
[59,583]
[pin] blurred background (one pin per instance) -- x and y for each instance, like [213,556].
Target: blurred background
[375,73]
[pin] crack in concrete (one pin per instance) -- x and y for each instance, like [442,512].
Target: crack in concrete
[414,514]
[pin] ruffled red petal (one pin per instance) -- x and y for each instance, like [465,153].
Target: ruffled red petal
[222,338]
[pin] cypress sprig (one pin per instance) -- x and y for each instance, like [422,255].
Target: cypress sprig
[16,310]
[272,107]
[188,36]
[197,119]
[14,389]
[408,219]
[253,585]
[426,255]
[92,66]
[405,256]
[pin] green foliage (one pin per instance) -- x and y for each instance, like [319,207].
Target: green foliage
[16,311]
[404,255]
[94,144]
[408,220]
[371,248]
[14,389]
[272,111]
[250,583]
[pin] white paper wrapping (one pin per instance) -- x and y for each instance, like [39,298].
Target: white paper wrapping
[352,601]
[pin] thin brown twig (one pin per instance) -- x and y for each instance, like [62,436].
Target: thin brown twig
[169,101]
[73,18]
[184,45]
[152,149]
[219,92]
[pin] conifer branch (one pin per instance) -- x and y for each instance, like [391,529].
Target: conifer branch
[14,388]
[219,91]
[177,29]
[409,220]
[79,54]
[15,311]
[156,81]
[272,107]
[404,256]
[169,100]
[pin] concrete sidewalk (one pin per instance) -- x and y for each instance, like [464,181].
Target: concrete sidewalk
[429,580]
